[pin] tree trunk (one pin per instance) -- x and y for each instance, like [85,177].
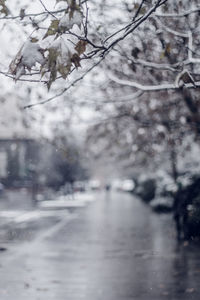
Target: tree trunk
[173,160]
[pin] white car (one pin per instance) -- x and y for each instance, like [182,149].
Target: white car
[128,185]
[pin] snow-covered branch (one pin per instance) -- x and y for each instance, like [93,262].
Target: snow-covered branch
[170,30]
[188,35]
[135,24]
[155,65]
[191,50]
[69,40]
[179,15]
[150,88]
[28,15]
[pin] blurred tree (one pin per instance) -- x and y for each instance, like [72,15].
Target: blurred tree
[150,79]
[61,159]
[150,90]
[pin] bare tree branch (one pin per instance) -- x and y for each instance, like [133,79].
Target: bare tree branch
[47,10]
[139,22]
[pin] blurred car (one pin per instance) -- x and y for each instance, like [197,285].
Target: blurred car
[164,194]
[146,188]
[162,204]
[79,186]
[94,184]
[127,185]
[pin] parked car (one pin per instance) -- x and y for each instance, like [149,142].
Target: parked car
[127,185]
[124,185]
[164,194]
[94,184]
[146,188]
[79,186]
[162,204]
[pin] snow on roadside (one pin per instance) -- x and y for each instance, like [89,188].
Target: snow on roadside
[21,216]
[68,201]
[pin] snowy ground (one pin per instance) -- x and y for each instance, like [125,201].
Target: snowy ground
[21,221]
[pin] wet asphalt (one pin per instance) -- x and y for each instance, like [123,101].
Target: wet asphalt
[115,248]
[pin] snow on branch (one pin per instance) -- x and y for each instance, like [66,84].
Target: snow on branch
[170,30]
[151,88]
[135,24]
[191,50]
[69,45]
[179,15]
[187,35]
[155,65]
[51,12]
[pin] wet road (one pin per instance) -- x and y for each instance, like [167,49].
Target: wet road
[114,249]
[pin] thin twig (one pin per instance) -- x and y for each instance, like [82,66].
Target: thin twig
[138,10]
[120,30]
[131,29]
[47,9]
[68,87]
[33,15]
[86,20]
[22,79]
